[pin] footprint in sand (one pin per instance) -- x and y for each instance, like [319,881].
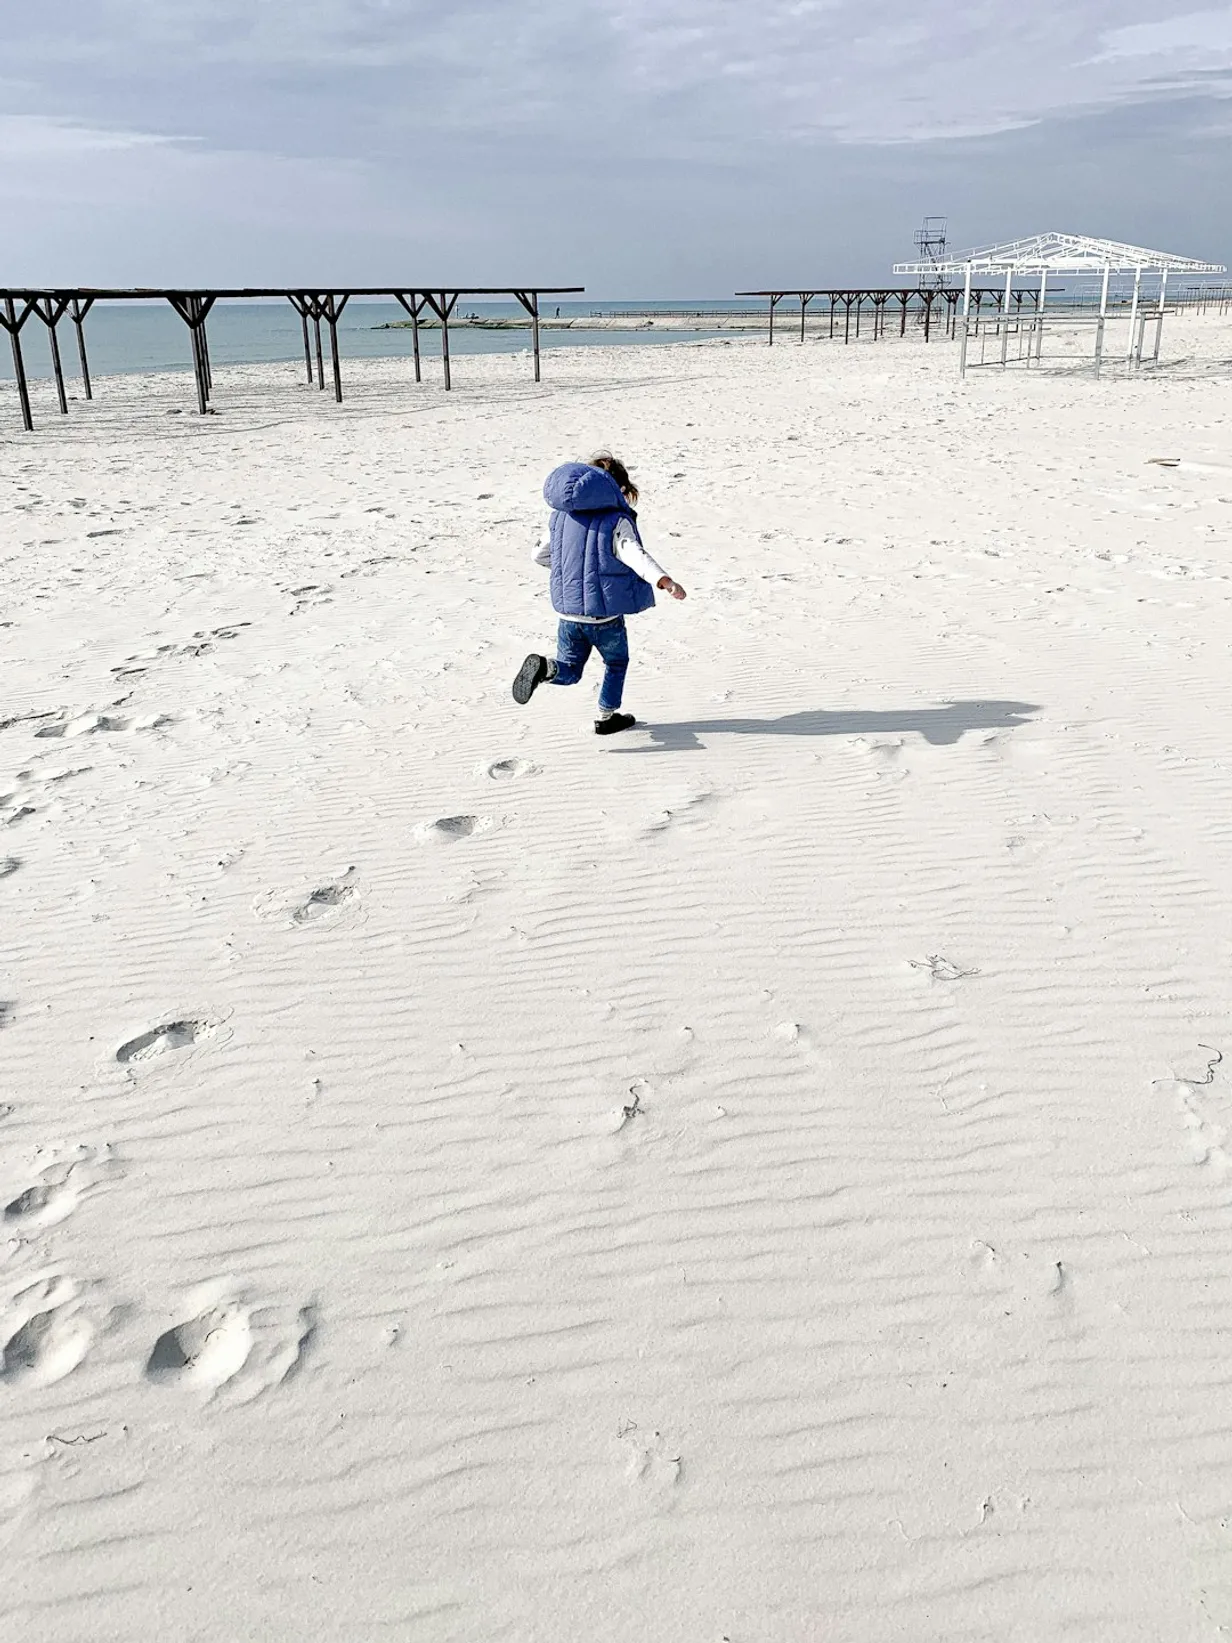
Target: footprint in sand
[449,829]
[85,724]
[57,1189]
[333,902]
[44,1334]
[8,866]
[172,1035]
[650,1462]
[312,593]
[322,904]
[226,1346]
[201,644]
[1206,1137]
[12,810]
[509,770]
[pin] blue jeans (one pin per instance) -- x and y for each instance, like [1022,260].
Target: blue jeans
[574,643]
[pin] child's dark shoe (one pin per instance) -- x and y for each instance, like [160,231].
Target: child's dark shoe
[613,723]
[533,671]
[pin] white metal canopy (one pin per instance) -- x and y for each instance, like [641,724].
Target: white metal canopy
[1062,254]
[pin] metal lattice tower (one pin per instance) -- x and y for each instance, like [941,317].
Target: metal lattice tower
[930,243]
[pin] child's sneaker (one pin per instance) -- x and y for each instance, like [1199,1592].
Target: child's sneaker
[614,722]
[533,671]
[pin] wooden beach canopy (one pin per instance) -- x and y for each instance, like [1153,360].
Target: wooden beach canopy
[1075,256]
[17,305]
[846,298]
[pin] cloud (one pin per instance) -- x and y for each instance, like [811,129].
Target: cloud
[856,71]
[26,138]
[622,134]
[1202,36]
[710,71]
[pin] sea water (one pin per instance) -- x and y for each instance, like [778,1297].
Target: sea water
[123,337]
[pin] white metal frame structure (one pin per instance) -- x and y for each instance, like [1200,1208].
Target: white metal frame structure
[1075,255]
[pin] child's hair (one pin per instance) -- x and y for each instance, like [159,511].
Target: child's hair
[614,466]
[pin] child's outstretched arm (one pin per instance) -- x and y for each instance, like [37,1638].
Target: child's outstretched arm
[630,551]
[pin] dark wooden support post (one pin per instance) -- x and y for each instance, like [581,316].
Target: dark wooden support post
[56,364]
[530,301]
[928,313]
[51,311]
[833,301]
[333,312]
[300,305]
[847,324]
[442,309]
[316,328]
[445,313]
[193,310]
[414,308]
[80,310]
[199,339]
[203,386]
[205,350]
[804,302]
[186,308]
[13,324]
[774,302]
[903,297]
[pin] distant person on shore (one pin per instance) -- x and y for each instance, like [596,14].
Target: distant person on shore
[601,573]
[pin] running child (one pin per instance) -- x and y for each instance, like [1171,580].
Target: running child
[601,573]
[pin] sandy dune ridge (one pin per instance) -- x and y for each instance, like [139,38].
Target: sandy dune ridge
[764,1177]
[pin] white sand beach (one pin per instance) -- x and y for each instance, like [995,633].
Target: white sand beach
[765,1177]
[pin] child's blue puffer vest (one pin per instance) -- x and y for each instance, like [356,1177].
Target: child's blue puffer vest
[587,577]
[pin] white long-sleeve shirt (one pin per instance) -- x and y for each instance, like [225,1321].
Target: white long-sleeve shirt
[627,549]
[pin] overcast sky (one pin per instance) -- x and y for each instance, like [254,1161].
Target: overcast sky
[641,148]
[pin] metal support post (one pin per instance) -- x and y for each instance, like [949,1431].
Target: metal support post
[1159,317]
[1040,302]
[1133,318]
[966,310]
[1005,316]
[1103,320]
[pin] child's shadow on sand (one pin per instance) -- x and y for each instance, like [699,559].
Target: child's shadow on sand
[942,726]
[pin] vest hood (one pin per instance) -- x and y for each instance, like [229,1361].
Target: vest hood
[576,487]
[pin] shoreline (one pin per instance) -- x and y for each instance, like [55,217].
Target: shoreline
[594,322]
